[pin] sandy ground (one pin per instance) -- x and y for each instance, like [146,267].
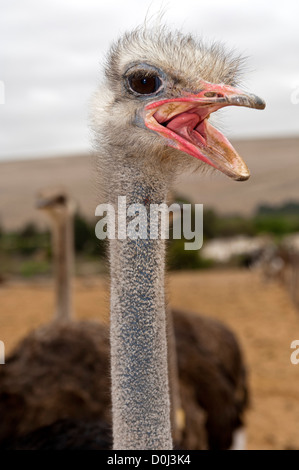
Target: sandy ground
[261,315]
[274,166]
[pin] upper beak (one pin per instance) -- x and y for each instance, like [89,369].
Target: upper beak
[184,122]
[226,95]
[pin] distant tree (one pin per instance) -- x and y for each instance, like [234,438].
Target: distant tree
[210,222]
[289,207]
[82,232]
[85,238]
[30,230]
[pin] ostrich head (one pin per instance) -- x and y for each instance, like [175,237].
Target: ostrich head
[56,203]
[159,91]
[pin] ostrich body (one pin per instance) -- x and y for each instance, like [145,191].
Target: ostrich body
[65,403]
[72,390]
[151,123]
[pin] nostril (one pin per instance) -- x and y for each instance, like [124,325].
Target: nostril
[213,94]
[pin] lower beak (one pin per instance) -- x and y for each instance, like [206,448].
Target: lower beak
[184,123]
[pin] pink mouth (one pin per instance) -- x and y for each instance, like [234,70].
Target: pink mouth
[188,130]
[183,122]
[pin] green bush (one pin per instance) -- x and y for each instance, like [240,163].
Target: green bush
[85,238]
[33,268]
[179,258]
[29,231]
[276,225]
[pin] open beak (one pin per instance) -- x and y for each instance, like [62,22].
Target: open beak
[183,122]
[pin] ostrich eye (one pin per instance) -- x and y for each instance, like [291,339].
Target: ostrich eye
[144,84]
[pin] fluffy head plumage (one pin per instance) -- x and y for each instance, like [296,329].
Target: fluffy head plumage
[179,55]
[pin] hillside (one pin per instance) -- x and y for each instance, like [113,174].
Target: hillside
[274,166]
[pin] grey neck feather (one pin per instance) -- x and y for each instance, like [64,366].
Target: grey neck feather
[63,266]
[140,391]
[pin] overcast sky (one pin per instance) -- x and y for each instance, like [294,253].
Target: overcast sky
[51,51]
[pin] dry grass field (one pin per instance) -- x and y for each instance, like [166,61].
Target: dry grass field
[260,314]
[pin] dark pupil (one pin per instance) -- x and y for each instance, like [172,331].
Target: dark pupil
[144,85]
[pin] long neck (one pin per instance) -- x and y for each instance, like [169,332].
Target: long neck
[140,394]
[63,266]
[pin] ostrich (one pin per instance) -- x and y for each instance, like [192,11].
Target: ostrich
[140,157]
[150,119]
[39,401]
[60,209]
[196,406]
